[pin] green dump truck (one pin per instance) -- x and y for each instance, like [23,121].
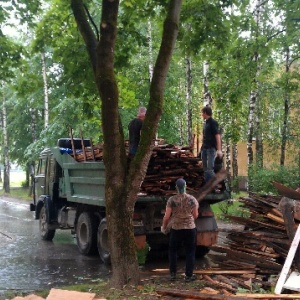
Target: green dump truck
[70,195]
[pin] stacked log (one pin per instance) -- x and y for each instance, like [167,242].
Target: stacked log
[261,247]
[167,164]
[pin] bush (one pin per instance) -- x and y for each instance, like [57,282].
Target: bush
[24,184]
[260,180]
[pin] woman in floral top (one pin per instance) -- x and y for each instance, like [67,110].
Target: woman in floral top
[180,215]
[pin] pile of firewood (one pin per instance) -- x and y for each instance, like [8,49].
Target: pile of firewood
[260,249]
[167,164]
[263,244]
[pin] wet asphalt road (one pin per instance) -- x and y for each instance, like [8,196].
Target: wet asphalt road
[27,263]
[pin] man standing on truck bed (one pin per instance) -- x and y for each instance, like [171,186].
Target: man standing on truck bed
[180,215]
[211,145]
[134,128]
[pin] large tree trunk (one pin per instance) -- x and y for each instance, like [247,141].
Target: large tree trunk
[122,181]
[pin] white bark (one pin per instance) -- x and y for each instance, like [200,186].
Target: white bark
[150,57]
[46,98]
[254,93]
[228,162]
[189,100]
[207,99]
[286,111]
[6,171]
[235,169]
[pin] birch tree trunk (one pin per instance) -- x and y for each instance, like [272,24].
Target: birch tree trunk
[123,181]
[189,100]
[31,166]
[46,95]
[254,93]
[150,47]
[228,162]
[259,136]
[207,99]
[259,157]
[286,110]
[235,169]
[6,170]
[252,100]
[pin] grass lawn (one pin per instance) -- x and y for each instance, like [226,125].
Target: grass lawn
[16,189]
[231,207]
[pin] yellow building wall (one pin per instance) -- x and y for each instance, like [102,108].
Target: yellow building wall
[270,157]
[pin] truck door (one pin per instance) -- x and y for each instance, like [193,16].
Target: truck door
[40,178]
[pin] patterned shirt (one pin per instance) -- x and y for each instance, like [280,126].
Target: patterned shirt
[182,206]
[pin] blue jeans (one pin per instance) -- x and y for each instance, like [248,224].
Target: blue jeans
[208,160]
[188,238]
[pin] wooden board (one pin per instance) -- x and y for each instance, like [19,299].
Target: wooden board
[293,282]
[288,262]
[286,191]
[57,294]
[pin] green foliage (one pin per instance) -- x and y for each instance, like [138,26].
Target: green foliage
[142,254]
[229,207]
[10,56]
[260,180]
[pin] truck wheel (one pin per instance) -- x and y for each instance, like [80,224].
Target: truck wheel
[103,242]
[86,233]
[46,233]
[201,251]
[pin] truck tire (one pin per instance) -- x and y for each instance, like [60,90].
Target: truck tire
[103,242]
[46,233]
[86,233]
[201,251]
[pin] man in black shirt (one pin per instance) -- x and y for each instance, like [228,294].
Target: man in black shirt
[211,146]
[134,128]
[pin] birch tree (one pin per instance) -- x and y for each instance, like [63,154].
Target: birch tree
[6,170]
[46,96]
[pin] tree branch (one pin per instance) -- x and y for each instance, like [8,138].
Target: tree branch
[157,87]
[85,30]
[275,34]
[92,21]
[293,60]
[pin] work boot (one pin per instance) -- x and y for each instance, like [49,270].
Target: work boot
[190,278]
[173,276]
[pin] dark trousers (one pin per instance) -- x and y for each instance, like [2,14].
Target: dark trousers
[187,237]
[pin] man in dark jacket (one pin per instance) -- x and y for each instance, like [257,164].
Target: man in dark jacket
[134,128]
[211,145]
